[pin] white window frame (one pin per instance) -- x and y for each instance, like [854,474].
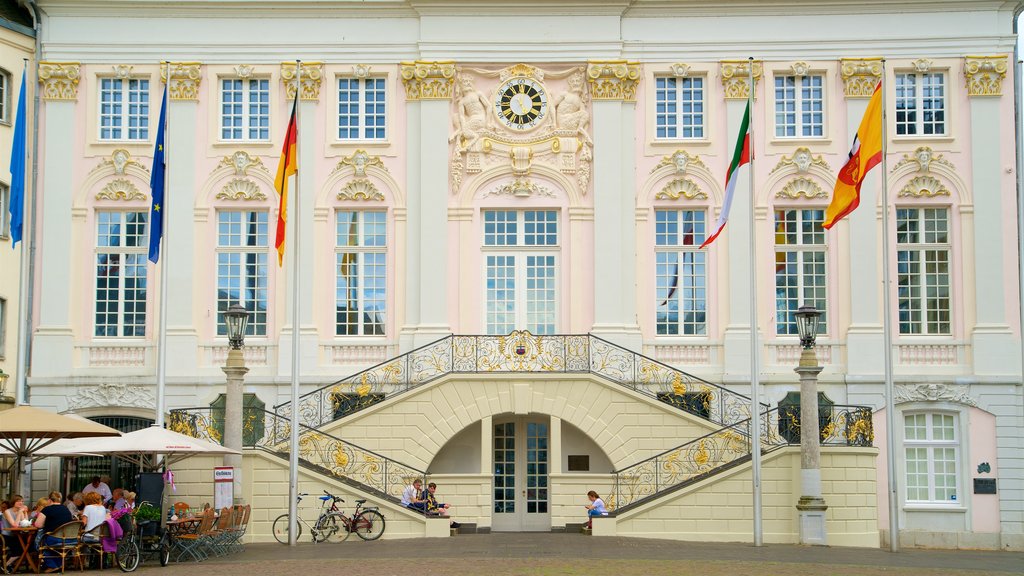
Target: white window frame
[140,250]
[921,248]
[361,250]
[918,109]
[362,115]
[3,328]
[521,251]
[254,328]
[5,212]
[6,100]
[126,115]
[802,249]
[679,250]
[799,103]
[246,116]
[680,126]
[931,446]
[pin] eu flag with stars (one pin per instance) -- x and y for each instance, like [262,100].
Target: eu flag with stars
[156,184]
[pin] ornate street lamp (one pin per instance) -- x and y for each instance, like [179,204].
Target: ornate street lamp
[3,383]
[236,318]
[811,505]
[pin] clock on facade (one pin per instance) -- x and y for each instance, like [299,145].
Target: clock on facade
[521,103]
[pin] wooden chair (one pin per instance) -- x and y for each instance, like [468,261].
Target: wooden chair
[181,509]
[69,535]
[193,544]
[222,532]
[94,545]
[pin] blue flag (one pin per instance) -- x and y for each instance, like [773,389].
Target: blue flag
[17,207]
[156,184]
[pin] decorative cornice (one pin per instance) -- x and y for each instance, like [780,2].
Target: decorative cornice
[521,188]
[312,76]
[802,160]
[120,189]
[359,161]
[681,159]
[681,188]
[241,162]
[521,71]
[360,189]
[924,187]
[425,80]
[184,80]
[59,80]
[801,187]
[860,76]
[736,77]
[924,157]
[958,393]
[613,79]
[241,189]
[120,159]
[107,395]
[985,74]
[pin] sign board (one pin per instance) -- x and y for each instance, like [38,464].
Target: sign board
[984,485]
[223,486]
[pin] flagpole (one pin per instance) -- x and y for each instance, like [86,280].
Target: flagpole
[24,260]
[161,347]
[755,365]
[890,408]
[296,216]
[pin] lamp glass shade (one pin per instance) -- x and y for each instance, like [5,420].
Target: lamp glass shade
[807,325]
[3,382]
[236,319]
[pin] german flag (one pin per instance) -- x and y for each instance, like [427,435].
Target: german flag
[287,167]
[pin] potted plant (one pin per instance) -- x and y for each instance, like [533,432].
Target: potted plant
[147,517]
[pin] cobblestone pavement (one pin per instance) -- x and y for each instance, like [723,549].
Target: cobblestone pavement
[576,554]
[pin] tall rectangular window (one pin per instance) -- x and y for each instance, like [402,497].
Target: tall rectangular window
[931,445]
[3,327]
[121,250]
[679,105]
[799,267]
[361,290]
[681,272]
[521,270]
[5,211]
[362,109]
[921,104]
[799,106]
[923,268]
[242,267]
[124,109]
[5,96]
[245,109]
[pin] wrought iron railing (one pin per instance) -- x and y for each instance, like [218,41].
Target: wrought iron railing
[271,432]
[701,457]
[520,351]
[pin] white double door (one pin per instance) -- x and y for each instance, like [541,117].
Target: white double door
[521,487]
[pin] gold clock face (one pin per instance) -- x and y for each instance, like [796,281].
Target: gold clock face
[521,103]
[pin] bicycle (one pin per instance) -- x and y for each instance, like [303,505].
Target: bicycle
[368,523]
[141,539]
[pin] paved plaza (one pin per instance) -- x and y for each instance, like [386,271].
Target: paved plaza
[570,553]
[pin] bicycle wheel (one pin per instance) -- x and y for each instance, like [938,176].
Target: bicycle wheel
[369,525]
[281,529]
[165,550]
[332,528]
[127,555]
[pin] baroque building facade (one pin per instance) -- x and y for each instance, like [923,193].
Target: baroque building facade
[463,172]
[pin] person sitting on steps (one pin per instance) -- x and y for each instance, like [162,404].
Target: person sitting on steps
[435,508]
[595,508]
[412,496]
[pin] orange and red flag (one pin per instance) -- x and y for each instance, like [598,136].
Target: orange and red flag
[287,167]
[864,155]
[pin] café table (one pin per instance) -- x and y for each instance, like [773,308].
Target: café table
[25,539]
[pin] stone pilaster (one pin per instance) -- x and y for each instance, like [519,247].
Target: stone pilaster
[735,76]
[312,77]
[860,76]
[184,79]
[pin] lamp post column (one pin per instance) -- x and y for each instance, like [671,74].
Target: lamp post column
[235,371]
[811,505]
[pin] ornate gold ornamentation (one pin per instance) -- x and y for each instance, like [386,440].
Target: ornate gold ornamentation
[924,157]
[360,189]
[802,159]
[860,76]
[681,188]
[312,76]
[520,70]
[678,388]
[241,162]
[736,77]
[922,65]
[120,159]
[680,70]
[681,159]
[244,71]
[363,389]
[800,68]
[985,74]
[241,189]
[359,161]
[924,187]
[801,187]
[59,80]
[184,80]
[361,71]
[424,80]
[613,79]
[123,71]
[120,189]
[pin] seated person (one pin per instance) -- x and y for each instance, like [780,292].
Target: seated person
[14,511]
[412,496]
[116,499]
[49,519]
[93,514]
[435,508]
[595,508]
[75,504]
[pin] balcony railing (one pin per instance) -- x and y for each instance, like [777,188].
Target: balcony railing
[518,352]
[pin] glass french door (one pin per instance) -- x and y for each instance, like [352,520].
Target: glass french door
[521,486]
